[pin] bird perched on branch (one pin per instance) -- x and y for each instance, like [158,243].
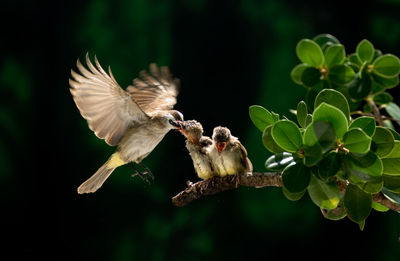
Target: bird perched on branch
[228,155]
[198,147]
[135,120]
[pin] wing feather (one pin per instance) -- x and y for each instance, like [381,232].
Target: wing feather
[108,109]
[156,90]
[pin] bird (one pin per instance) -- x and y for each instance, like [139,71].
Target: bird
[228,155]
[198,147]
[135,120]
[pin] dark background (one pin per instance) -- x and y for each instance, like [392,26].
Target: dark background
[229,55]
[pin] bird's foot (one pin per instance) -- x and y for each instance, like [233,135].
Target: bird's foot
[142,175]
[147,172]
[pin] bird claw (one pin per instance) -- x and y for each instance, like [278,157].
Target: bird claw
[143,175]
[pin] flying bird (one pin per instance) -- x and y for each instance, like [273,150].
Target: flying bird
[135,120]
[198,147]
[228,155]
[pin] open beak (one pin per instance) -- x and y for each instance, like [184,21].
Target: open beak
[220,146]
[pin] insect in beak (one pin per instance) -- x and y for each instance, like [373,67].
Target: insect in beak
[220,146]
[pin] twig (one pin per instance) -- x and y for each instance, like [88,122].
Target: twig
[268,179]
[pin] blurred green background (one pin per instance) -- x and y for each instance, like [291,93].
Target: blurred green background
[229,55]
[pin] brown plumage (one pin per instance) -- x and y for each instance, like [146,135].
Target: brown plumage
[198,147]
[228,155]
[135,120]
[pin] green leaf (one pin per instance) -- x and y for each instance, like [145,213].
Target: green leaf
[394,197]
[366,123]
[395,134]
[310,53]
[357,203]
[365,164]
[323,39]
[287,135]
[269,142]
[353,58]
[379,207]
[308,120]
[328,166]
[293,196]
[297,73]
[320,133]
[333,115]
[382,141]
[391,161]
[356,141]
[387,66]
[312,155]
[394,111]
[383,98]
[335,214]
[334,54]
[334,98]
[386,82]
[310,76]
[341,74]
[279,161]
[302,113]
[324,195]
[392,183]
[365,51]
[296,177]
[359,88]
[260,117]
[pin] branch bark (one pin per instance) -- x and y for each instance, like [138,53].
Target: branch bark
[267,179]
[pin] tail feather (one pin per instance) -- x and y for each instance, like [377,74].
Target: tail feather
[96,180]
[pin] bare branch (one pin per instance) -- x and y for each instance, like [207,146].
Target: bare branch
[268,179]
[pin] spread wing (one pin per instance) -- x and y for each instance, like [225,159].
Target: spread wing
[156,90]
[108,109]
[244,159]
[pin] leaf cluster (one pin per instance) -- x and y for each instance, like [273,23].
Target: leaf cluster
[340,133]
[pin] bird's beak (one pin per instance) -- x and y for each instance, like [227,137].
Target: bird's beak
[220,146]
[179,126]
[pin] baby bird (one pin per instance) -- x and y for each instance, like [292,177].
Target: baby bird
[198,147]
[228,155]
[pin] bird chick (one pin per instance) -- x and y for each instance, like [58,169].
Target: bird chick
[198,147]
[228,155]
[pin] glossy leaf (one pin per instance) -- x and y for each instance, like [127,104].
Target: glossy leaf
[310,76]
[269,142]
[359,88]
[287,135]
[335,214]
[293,196]
[387,66]
[297,73]
[391,161]
[341,74]
[260,117]
[333,115]
[296,178]
[302,113]
[386,82]
[356,141]
[328,166]
[312,155]
[310,53]
[333,98]
[382,98]
[383,141]
[324,195]
[365,51]
[392,183]
[279,161]
[357,203]
[323,39]
[379,207]
[394,111]
[353,58]
[320,133]
[366,123]
[334,54]
[394,197]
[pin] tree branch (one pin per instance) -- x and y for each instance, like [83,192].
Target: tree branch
[268,179]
